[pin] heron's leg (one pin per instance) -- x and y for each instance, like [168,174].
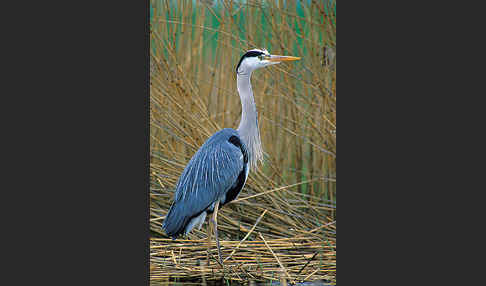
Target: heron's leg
[215,222]
[209,238]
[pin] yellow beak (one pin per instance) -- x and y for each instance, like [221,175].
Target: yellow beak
[277,58]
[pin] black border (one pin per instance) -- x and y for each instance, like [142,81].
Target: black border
[76,102]
[408,137]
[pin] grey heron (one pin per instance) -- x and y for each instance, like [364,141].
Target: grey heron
[217,172]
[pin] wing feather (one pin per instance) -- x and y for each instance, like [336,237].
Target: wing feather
[210,173]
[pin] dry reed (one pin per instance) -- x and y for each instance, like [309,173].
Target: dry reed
[291,199]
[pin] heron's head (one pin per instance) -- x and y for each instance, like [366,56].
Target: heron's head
[256,58]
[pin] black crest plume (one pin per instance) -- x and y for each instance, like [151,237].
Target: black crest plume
[247,55]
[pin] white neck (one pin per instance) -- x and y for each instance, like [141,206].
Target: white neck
[248,128]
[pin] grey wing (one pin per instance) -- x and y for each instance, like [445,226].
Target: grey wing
[208,175]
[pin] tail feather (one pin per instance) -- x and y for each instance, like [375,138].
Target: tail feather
[179,221]
[175,222]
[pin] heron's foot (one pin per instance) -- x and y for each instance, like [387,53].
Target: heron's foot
[219,248]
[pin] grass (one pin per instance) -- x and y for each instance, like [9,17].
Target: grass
[195,46]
